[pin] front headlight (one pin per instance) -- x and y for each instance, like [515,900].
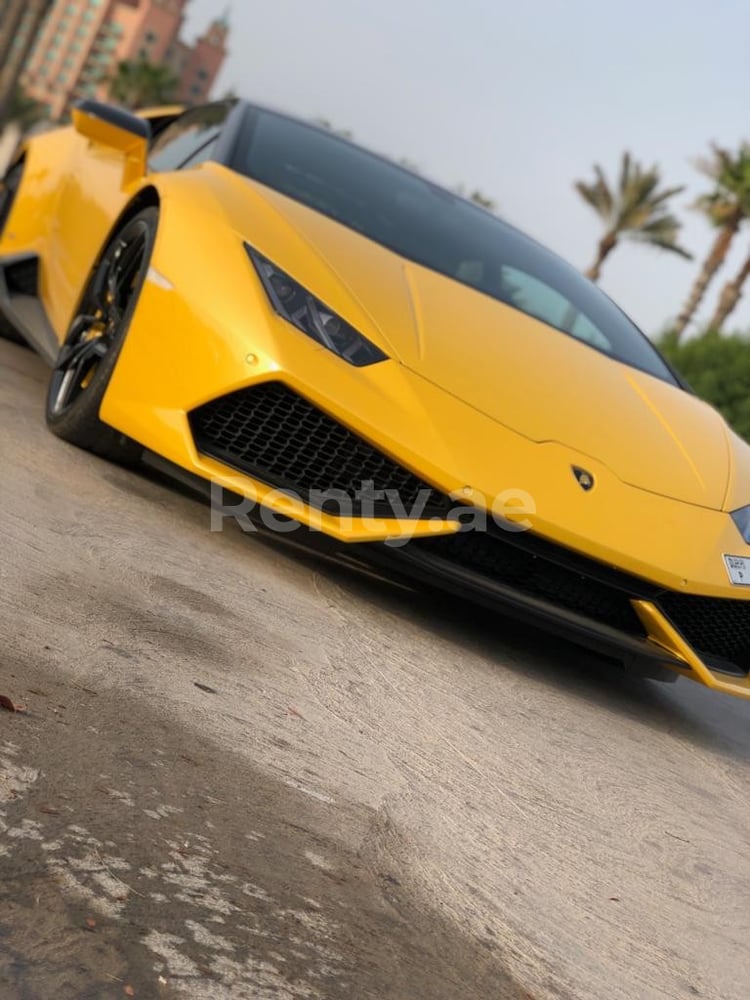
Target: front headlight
[295,304]
[741,518]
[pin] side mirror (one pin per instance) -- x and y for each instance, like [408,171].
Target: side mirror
[120,130]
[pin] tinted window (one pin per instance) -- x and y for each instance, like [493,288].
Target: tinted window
[538,299]
[205,153]
[439,230]
[186,136]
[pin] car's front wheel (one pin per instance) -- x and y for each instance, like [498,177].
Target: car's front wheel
[89,353]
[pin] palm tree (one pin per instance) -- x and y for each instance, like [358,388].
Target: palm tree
[23,110]
[327,124]
[139,83]
[636,210]
[477,196]
[731,294]
[483,200]
[726,207]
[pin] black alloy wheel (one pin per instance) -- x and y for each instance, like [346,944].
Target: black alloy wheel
[89,353]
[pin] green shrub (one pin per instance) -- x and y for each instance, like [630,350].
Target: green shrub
[718,369]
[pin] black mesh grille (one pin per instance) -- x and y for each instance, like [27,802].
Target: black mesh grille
[520,564]
[280,438]
[719,630]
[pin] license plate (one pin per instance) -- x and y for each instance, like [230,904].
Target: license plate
[738,568]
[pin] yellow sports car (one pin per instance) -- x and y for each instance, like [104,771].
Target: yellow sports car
[333,341]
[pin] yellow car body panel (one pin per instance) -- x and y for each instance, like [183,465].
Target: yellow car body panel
[663,633]
[73,192]
[665,467]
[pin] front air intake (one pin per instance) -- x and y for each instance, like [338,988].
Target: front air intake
[273,434]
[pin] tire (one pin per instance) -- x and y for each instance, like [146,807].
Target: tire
[89,353]
[8,188]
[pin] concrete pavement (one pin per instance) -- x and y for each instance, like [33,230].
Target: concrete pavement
[248,773]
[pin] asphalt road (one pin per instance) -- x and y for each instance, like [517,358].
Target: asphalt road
[372,793]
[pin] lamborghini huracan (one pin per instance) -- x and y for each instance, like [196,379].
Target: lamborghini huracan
[251,301]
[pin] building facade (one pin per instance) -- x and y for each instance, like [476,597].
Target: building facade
[20,21]
[80,42]
[11,15]
[198,65]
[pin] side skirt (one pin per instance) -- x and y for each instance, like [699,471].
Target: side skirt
[21,306]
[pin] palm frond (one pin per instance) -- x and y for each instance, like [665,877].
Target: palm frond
[728,202]
[637,207]
[137,83]
[607,198]
[662,231]
[597,195]
[625,172]
[670,246]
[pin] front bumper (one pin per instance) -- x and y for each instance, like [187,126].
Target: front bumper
[568,594]
[642,625]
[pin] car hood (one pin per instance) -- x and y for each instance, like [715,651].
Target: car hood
[535,380]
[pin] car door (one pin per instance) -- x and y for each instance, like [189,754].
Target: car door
[92,196]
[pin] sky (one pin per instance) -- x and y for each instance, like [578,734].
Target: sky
[520,99]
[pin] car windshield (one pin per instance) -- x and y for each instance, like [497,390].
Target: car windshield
[433,227]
